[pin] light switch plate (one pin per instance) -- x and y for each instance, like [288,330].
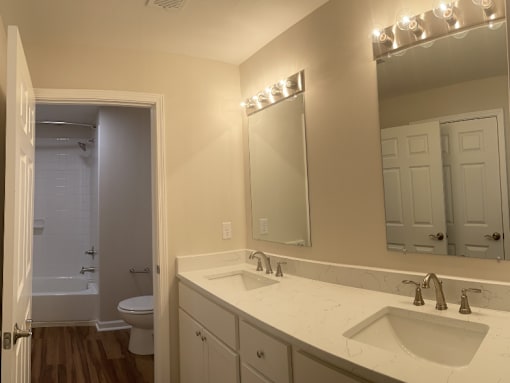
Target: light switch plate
[227,230]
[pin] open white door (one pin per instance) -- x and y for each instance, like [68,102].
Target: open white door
[413,188]
[19,187]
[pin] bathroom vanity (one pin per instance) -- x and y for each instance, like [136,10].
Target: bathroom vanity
[218,346]
[251,327]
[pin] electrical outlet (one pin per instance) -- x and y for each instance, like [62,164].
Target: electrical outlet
[227,230]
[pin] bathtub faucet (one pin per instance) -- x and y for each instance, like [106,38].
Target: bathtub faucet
[87,270]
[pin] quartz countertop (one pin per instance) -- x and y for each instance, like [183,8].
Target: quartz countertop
[314,316]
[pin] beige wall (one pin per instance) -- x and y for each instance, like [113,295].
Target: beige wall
[484,94]
[333,45]
[125,235]
[203,137]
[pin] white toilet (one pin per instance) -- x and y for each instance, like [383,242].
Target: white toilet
[139,313]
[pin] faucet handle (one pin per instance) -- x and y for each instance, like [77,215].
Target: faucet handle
[464,303]
[279,272]
[259,262]
[418,298]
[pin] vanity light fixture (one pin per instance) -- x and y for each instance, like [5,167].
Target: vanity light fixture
[488,7]
[495,25]
[447,17]
[277,92]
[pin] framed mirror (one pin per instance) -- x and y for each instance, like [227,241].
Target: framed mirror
[278,173]
[443,109]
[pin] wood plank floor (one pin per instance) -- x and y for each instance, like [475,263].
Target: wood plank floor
[83,355]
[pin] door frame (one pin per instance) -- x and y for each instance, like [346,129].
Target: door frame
[503,164]
[161,280]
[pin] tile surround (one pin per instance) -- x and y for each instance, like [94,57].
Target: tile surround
[63,201]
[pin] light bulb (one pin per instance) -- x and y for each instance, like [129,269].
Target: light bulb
[404,18]
[261,97]
[445,11]
[488,6]
[275,91]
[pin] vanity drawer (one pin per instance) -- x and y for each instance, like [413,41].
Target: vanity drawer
[249,375]
[266,354]
[220,322]
[308,368]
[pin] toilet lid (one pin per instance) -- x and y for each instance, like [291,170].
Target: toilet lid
[143,303]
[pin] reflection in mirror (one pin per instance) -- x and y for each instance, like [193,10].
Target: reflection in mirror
[278,174]
[443,110]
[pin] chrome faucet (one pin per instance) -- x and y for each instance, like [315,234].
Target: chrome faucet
[267,262]
[87,270]
[440,301]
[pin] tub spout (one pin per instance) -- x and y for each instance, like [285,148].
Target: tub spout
[87,270]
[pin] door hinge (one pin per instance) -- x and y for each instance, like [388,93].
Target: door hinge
[7,341]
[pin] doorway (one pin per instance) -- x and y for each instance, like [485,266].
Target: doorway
[158,202]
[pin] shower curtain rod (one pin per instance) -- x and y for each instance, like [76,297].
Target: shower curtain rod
[66,123]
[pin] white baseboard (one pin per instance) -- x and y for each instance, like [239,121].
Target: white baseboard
[64,323]
[112,325]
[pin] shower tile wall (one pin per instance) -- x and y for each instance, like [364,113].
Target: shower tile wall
[63,202]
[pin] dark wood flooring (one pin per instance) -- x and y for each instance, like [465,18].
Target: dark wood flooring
[83,355]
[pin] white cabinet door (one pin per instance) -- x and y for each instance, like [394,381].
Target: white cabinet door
[307,369]
[204,359]
[18,215]
[413,188]
[191,350]
[222,364]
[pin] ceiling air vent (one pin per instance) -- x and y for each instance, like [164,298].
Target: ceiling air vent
[166,4]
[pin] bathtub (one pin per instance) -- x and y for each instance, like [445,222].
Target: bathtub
[64,299]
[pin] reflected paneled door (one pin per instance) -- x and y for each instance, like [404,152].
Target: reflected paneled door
[473,188]
[413,188]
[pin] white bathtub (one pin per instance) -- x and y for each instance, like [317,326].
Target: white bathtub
[63,299]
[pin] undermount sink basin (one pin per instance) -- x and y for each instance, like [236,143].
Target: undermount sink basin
[241,280]
[437,339]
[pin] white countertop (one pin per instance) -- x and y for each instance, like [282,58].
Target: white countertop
[316,314]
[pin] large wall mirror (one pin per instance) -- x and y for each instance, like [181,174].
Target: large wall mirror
[278,173]
[444,132]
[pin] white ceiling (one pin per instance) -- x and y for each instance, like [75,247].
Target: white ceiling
[223,30]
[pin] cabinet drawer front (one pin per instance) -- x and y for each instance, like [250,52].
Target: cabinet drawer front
[310,369]
[220,322]
[249,375]
[266,354]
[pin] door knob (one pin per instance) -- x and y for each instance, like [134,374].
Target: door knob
[19,333]
[494,236]
[438,237]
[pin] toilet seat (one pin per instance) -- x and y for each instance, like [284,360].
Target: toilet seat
[137,305]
